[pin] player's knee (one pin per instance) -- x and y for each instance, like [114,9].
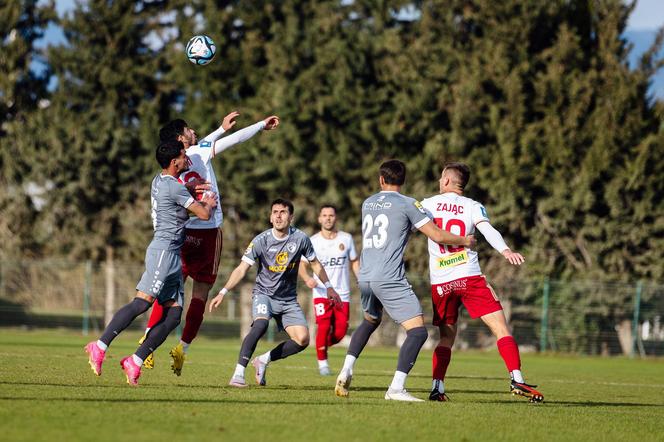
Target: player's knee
[419,334]
[371,320]
[260,326]
[173,317]
[139,306]
[302,341]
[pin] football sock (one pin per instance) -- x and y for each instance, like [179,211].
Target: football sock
[102,346]
[322,337]
[122,318]
[155,316]
[265,358]
[509,351]
[438,385]
[361,337]
[258,329]
[323,363]
[239,371]
[338,331]
[517,376]
[349,362]
[415,339]
[441,360]
[285,349]
[398,381]
[194,319]
[138,361]
[160,332]
[185,346]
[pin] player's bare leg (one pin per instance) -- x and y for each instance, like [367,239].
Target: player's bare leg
[442,355]
[509,351]
[416,336]
[299,340]
[193,323]
[357,343]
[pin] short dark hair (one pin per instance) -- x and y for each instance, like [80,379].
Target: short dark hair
[393,172]
[462,172]
[283,202]
[327,206]
[168,151]
[171,130]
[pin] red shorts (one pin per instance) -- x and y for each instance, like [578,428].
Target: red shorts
[473,292]
[323,310]
[200,254]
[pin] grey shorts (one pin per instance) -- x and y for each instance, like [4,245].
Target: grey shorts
[396,297]
[162,278]
[286,312]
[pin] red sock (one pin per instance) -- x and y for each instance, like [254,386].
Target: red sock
[194,320]
[322,335]
[155,314]
[509,351]
[441,359]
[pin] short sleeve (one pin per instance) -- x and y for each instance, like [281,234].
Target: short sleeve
[180,194]
[252,252]
[308,249]
[352,253]
[416,213]
[478,213]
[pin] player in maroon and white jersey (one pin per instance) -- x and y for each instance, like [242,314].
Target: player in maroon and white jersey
[336,252]
[456,279]
[203,241]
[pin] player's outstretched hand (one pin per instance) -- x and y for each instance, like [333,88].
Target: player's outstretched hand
[209,199]
[197,186]
[216,301]
[514,258]
[229,120]
[333,296]
[271,122]
[470,241]
[311,283]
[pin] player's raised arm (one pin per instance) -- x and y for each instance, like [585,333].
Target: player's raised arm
[226,124]
[495,239]
[319,270]
[242,135]
[444,237]
[234,279]
[204,209]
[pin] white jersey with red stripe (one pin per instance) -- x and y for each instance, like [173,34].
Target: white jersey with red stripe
[201,156]
[459,215]
[335,255]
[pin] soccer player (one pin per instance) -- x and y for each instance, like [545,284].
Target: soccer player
[456,279]
[336,252]
[162,280]
[388,217]
[278,252]
[203,243]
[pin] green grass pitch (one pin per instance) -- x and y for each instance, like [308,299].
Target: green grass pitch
[48,392]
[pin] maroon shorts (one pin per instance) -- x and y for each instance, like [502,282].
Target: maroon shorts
[473,292]
[200,254]
[324,311]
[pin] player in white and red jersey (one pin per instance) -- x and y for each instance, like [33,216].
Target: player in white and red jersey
[336,252]
[456,279]
[203,242]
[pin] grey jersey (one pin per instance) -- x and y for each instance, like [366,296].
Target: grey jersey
[278,261]
[387,220]
[170,200]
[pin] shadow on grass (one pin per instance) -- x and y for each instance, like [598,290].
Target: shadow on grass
[548,403]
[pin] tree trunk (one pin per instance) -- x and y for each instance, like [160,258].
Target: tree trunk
[624,329]
[109,304]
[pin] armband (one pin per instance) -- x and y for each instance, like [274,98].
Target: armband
[328,285]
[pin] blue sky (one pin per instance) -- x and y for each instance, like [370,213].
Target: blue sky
[643,23]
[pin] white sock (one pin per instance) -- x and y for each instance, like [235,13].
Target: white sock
[102,346]
[239,371]
[349,362]
[265,358]
[147,330]
[138,361]
[517,376]
[439,385]
[323,363]
[185,346]
[398,381]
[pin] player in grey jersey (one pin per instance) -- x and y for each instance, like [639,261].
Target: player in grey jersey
[162,279]
[388,218]
[278,252]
